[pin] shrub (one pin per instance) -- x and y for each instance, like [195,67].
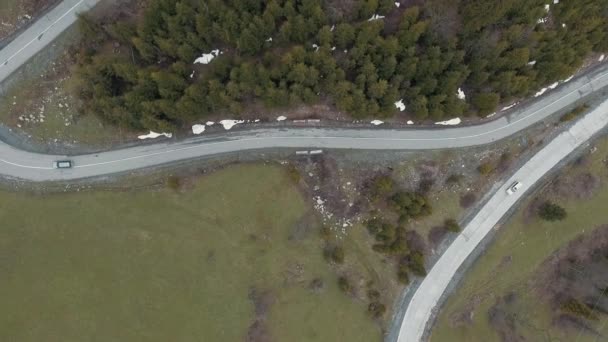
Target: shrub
[344,284]
[293,173]
[467,200]
[376,309]
[578,309]
[416,264]
[174,183]
[549,211]
[451,225]
[334,253]
[381,186]
[454,179]
[373,295]
[485,168]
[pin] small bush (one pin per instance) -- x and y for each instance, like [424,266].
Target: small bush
[416,264]
[174,183]
[376,309]
[454,179]
[325,233]
[344,284]
[373,295]
[485,168]
[467,200]
[381,186]
[334,254]
[451,225]
[578,309]
[549,211]
[293,173]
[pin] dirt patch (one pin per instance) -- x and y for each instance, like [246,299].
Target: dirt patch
[504,322]
[579,186]
[574,281]
[262,302]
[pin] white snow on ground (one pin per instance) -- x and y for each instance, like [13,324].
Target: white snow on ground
[554,85]
[568,79]
[206,58]
[209,123]
[316,47]
[542,20]
[228,124]
[540,92]
[281,118]
[509,106]
[555,2]
[400,105]
[531,63]
[547,8]
[154,135]
[269,39]
[398,4]
[377,122]
[452,122]
[198,129]
[461,94]
[410,122]
[192,74]
[602,57]
[375,17]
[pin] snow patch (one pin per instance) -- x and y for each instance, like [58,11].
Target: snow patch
[192,74]
[228,124]
[316,47]
[532,63]
[568,79]
[153,135]
[398,4]
[602,57]
[509,106]
[198,129]
[461,95]
[400,105]
[209,123]
[410,122]
[375,17]
[281,118]
[377,122]
[269,39]
[554,85]
[206,58]
[451,122]
[540,92]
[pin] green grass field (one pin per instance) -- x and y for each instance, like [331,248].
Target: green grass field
[167,266]
[511,261]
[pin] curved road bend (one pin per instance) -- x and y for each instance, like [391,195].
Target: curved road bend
[41,33]
[38,167]
[425,299]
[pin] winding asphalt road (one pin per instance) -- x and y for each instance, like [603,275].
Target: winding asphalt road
[38,167]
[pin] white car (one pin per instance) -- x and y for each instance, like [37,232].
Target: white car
[514,187]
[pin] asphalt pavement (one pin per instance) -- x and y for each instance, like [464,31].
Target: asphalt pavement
[41,33]
[39,167]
